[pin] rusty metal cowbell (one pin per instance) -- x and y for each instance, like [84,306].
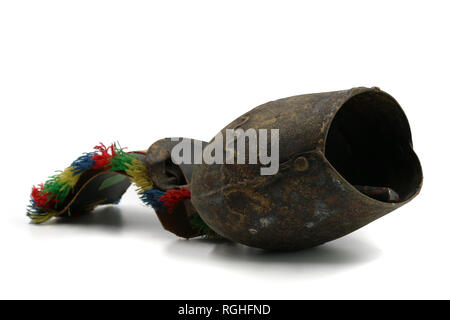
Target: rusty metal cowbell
[329,145]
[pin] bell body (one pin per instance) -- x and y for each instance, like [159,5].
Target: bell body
[331,146]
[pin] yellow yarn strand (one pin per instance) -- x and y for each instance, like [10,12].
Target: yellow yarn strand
[37,218]
[139,175]
[67,177]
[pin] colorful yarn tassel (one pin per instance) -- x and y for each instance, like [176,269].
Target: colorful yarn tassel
[171,197]
[50,197]
[151,197]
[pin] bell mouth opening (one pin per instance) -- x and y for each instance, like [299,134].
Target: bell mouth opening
[369,144]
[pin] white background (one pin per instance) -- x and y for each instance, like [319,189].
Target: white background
[73,73]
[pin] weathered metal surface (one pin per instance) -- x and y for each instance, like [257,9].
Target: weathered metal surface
[167,175]
[308,202]
[163,172]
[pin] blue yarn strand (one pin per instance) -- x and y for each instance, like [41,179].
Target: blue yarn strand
[83,163]
[151,196]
